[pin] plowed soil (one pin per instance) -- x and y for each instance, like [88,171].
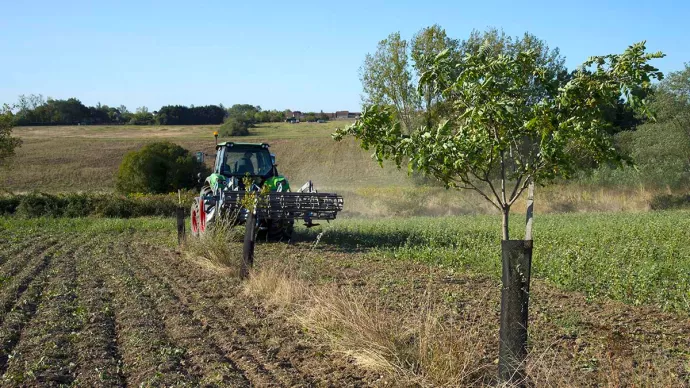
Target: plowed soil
[110,310]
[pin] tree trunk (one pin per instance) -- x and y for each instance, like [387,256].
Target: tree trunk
[516,258]
[506,214]
[517,262]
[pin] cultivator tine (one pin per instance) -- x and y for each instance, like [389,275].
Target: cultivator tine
[290,206]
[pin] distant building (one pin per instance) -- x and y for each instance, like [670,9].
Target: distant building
[344,114]
[297,114]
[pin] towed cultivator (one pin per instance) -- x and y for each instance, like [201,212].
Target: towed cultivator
[224,191]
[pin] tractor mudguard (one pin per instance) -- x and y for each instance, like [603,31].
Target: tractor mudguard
[276,182]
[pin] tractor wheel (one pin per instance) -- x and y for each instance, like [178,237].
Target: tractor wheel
[280,231]
[207,217]
[194,218]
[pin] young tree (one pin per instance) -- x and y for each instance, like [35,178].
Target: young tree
[7,142]
[514,121]
[387,80]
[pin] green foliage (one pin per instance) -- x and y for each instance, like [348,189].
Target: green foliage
[195,115]
[387,79]
[142,117]
[640,258]
[515,119]
[76,205]
[426,45]
[7,142]
[234,127]
[160,167]
[660,148]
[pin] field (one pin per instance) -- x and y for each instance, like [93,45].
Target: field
[86,158]
[98,302]
[403,290]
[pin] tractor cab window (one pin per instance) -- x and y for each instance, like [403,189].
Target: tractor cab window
[242,161]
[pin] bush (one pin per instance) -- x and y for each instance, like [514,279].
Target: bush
[40,205]
[234,127]
[160,167]
[669,201]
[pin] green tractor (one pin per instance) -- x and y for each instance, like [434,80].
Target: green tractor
[222,193]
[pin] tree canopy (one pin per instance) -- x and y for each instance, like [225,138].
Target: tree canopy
[515,117]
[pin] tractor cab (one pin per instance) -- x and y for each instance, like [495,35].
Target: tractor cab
[237,160]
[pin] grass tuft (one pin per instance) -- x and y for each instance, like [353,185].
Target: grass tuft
[220,245]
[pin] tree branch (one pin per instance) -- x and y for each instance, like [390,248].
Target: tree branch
[517,184]
[524,186]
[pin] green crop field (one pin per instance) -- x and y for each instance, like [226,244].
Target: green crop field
[638,258]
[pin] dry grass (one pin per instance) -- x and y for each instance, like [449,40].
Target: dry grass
[424,350]
[219,246]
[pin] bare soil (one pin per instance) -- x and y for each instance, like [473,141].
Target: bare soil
[112,310]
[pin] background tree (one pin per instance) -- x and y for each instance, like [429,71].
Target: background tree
[7,143]
[234,127]
[161,167]
[387,79]
[515,120]
[142,116]
[660,148]
[426,45]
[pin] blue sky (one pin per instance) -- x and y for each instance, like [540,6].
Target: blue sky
[296,55]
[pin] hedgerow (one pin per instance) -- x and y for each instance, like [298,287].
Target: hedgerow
[73,205]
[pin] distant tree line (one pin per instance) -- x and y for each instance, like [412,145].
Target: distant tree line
[36,110]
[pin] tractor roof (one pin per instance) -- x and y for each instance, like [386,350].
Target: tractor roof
[245,145]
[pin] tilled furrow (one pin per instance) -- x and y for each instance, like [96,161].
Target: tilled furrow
[184,328]
[149,356]
[99,360]
[15,280]
[14,245]
[227,328]
[16,320]
[45,356]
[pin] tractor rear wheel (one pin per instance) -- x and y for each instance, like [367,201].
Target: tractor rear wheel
[280,230]
[207,213]
[194,218]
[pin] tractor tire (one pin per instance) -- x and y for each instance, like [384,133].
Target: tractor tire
[206,219]
[280,231]
[194,218]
